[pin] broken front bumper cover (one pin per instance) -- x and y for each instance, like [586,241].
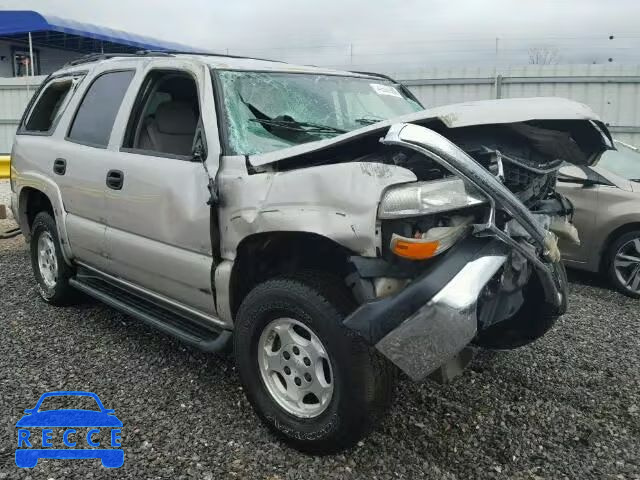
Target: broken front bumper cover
[435,317]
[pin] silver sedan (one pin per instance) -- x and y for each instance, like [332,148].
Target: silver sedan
[606,197]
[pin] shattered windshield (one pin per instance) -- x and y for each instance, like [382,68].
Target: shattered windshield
[270,111]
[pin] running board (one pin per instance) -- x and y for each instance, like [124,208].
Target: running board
[189,329]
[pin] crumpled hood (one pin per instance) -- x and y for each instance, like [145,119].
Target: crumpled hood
[484,112]
[510,110]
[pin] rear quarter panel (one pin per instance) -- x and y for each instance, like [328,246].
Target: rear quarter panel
[31,167]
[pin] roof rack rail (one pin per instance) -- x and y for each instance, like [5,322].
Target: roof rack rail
[374,74]
[94,57]
[215,54]
[404,88]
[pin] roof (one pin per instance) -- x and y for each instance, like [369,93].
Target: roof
[55,32]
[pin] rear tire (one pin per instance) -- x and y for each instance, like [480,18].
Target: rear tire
[623,264]
[358,383]
[51,272]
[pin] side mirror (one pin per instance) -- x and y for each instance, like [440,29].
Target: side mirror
[29,410]
[109,411]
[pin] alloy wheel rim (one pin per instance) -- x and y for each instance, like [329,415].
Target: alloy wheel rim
[47,262]
[627,265]
[295,368]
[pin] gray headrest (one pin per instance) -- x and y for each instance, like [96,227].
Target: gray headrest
[176,118]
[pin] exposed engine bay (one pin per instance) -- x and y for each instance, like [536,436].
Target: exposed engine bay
[526,159]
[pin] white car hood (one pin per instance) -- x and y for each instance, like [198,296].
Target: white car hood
[484,112]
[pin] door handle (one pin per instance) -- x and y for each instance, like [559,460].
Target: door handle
[60,166]
[115,179]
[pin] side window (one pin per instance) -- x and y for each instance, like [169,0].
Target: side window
[97,112]
[48,106]
[165,116]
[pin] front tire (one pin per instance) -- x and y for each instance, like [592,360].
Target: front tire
[312,381]
[51,272]
[624,264]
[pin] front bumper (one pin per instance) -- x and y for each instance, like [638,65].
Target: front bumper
[434,317]
[444,326]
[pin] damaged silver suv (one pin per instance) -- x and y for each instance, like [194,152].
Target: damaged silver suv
[320,222]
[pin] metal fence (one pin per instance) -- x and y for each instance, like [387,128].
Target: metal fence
[14,96]
[613,91]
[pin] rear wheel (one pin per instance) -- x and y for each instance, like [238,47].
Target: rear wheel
[624,264]
[51,272]
[311,381]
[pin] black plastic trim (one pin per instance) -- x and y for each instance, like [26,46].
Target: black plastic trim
[188,330]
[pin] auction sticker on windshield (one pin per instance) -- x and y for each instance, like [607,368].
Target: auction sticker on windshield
[79,428]
[385,90]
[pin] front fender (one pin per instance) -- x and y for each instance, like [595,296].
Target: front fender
[337,201]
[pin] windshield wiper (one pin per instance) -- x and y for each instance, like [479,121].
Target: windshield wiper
[291,124]
[368,120]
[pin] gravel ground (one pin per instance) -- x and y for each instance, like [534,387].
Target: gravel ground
[566,407]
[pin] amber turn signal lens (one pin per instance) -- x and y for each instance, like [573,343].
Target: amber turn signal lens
[418,250]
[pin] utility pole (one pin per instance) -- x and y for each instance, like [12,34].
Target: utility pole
[351,53]
[30,54]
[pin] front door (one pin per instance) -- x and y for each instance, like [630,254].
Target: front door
[158,233]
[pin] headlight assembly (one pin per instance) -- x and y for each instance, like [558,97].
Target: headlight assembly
[425,198]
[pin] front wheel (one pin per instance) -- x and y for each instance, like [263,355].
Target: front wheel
[624,264]
[311,381]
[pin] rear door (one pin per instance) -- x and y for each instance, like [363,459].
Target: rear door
[82,155]
[158,219]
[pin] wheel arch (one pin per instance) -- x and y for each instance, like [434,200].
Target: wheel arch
[39,194]
[33,201]
[610,240]
[265,255]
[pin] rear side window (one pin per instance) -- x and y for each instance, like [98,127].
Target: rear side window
[49,106]
[97,112]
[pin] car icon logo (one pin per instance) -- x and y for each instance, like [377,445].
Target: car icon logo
[95,429]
